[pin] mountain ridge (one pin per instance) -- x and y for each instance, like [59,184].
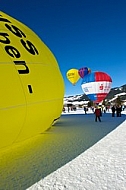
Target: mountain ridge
[113,94]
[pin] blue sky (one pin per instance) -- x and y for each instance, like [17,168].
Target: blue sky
[80,33]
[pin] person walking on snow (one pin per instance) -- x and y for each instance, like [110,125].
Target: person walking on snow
[85,110]
[113,111]
[97,114]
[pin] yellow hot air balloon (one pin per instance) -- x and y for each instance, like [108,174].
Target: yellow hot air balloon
[73,76]
[31,87]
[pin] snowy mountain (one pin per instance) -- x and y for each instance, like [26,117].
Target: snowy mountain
[118,91]
[113,94]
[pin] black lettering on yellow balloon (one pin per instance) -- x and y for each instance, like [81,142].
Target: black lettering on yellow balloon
[4,19]
[70,74]
[29,47]
[26,69]
[15,30]
[30,88]
[5,40]
[12,51]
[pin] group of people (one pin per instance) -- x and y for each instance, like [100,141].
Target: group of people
[117,110]
[97,112]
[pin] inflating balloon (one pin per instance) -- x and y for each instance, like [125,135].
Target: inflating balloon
[31,87]
[73,76]
[96,86]
[83,71]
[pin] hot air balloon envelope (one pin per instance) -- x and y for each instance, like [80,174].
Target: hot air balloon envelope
[26,103]
[96,86]
[83,71]
[73,76]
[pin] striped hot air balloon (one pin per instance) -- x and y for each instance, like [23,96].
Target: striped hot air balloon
[96,86]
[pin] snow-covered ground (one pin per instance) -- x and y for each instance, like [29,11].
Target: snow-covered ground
[101,167]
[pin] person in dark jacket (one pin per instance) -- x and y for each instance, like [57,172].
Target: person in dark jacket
[85,110]
[97,114]
[118,111]
[113,111]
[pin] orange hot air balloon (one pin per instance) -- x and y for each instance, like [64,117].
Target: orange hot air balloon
[73,76]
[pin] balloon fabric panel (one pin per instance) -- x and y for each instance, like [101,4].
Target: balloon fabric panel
[101,76]
[89,78]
